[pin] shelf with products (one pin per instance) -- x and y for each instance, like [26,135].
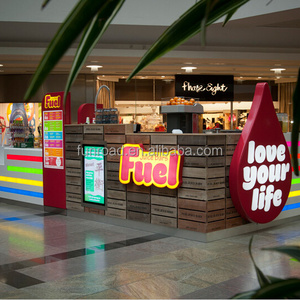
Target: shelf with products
[21,136]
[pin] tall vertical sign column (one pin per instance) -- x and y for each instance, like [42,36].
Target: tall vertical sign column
[54,174]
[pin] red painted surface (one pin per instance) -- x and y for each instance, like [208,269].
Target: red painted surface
[24,157]
[54,175]
[87,110]
[260,171]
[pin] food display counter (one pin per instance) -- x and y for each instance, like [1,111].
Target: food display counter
[201,204]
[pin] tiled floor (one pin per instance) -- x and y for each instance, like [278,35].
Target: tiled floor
[45,255]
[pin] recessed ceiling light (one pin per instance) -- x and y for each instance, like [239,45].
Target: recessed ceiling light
[1,65]
[188,69]
[94,68]
[259,77]
[163,76]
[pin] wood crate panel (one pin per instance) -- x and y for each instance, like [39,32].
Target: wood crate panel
[163,139]
[118,128]
[215,140]
[233,222]
[138,139]
[196,183]
[73,172]
[137,216]
[203,172]
[113,175]
[73,189]
[163,191]
[93,129]
[115,185]
[229,203]
[231,213]
[116,203]
[72,163]
[200,216]
[114,138]
[74,138]
[74,206]
[73,180]
[113,166]
[115,213]
[227,192]
[202,151]
[190,140]
[164,221]
[73,147]
[73,129]
[201,205]
[138,207]
[73,155]
[232,139]
[73,197]
[164,211]
[138,197]
[164,200]
[116,194]
[201,227]
[230,149]
[93,137]
[113,158]
[201,194]
[132,187]
[228,160]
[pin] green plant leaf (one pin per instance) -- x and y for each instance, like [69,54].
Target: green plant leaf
[71,28]
[295,128]
[91,36]
[188,25]
[281,289]
[229,16]
[45,3]
[292,251]
[262,279]
[245,295]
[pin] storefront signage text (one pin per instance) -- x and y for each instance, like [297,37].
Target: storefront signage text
[147,168]
[205,87]
[260,171]
[52,102]
[265,174]
[213,89]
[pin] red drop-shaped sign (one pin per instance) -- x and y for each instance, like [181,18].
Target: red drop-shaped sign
[260,171]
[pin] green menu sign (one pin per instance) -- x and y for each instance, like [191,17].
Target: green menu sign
[94,174]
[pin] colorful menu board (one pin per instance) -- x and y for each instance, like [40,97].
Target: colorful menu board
[53,139]
[94,174]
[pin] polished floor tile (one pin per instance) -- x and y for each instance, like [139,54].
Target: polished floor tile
[51,256]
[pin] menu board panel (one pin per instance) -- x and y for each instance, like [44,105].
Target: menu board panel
[93,174]
[53,139]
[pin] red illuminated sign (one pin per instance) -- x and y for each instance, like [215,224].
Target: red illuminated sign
[260,171]
[147,168]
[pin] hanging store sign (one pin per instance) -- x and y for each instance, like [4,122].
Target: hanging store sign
[260,171]
[205,87]
[162,169]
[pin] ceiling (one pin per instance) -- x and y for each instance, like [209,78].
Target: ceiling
[246,48]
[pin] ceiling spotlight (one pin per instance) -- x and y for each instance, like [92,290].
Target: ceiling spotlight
[188,69]
[94,68]
[277,70]
[163,76]
[259,77]
[1,65]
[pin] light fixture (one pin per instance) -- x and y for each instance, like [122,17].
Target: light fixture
[188,69]
[259,77]
[163,76]
[1,65]
[94,68]
[277,70]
